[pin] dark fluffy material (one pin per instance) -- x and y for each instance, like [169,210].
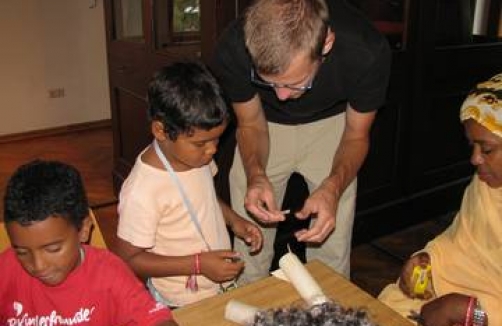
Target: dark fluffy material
[326,314]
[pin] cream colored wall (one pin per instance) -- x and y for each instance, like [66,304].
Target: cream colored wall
[47,44]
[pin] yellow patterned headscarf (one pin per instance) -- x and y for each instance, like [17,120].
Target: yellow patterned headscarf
[484,105]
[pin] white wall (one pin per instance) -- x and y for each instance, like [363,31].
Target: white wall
[47,44]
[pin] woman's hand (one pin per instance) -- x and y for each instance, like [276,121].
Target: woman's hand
[407,279]
[447,310]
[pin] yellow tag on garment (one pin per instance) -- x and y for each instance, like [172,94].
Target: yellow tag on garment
[421,278]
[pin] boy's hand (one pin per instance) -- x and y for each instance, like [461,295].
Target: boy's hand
[407,281]
[248,232]
[220,265]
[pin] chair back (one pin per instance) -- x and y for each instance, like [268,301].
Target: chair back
[97,239]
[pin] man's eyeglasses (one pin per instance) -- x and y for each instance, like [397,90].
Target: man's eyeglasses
[255,79]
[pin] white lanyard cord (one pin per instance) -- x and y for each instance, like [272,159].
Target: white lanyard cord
[187,202]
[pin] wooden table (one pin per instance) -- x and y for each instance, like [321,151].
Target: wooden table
[273,292]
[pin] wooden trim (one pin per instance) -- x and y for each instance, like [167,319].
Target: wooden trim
[99,124]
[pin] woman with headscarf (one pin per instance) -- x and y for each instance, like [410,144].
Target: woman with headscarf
[464,264]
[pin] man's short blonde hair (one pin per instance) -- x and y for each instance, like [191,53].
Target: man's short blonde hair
[277,30]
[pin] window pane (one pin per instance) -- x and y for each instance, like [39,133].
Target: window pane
[176,22]
[128,20]
[186,17]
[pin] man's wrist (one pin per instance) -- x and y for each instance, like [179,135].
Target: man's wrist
[333,186]
[256,174]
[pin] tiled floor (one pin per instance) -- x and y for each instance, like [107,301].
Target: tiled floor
[374,264]
[379,263]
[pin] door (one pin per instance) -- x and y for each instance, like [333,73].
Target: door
[143,36]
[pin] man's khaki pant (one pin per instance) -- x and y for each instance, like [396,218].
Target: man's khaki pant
[309,150]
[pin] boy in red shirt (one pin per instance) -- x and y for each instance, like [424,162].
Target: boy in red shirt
[48,276]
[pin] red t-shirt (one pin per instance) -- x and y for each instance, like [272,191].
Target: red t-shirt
[102,291]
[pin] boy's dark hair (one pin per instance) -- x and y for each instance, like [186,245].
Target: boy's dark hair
[42,189]
[185,95]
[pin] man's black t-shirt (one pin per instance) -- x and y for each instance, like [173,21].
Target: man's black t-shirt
[356,71]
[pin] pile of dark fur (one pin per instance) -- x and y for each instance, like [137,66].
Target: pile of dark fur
[326,314]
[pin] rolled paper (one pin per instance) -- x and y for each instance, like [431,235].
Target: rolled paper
[302,280]
[239,312]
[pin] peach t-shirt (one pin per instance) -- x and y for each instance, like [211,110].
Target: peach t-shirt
[153,215]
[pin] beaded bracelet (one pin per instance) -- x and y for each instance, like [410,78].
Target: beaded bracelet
[479,315]
[468,313]
[191,283]
[197,264]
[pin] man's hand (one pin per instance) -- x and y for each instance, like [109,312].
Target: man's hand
[248,232]
[322,205]
[260,200]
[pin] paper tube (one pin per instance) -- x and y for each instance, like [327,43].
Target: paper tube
[240,313]
[301,279]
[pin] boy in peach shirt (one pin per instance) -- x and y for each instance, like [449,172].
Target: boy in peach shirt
[172,227]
